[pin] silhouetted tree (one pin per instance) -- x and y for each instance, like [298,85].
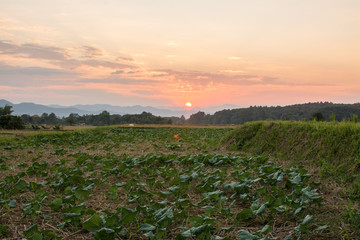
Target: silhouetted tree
[70,121]
[318,116]
[197,118]
[7,121]
[104,118]
[6,110]
[52,119]
[27,119]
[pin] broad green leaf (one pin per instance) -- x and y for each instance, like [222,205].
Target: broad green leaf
[160,233]
[71,215]
[82,194]
[36,236]
[281,208]
[56,204]
[319,229]
[31,230]
[289,237]
[298,210]
[147,227]
[111,220]
[89,187]
[121,184]
[265,229]
[194,175]
[184,177]
[307,220]
[196,221]
[296,180]
[105,233]
[186,234]
[12,203]
[197,230]
[169,213]
[261,190]
[261,209]
[245,214]
[166,218]
[150,235]
[93,223]
[127,215]
[78,209]
[245,235]
[49,234]
[20,185]
[280,177]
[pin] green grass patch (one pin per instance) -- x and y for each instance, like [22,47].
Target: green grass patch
[332,145]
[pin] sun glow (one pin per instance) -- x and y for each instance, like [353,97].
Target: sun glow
[188,104]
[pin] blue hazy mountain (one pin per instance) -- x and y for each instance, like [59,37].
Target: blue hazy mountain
[64,111]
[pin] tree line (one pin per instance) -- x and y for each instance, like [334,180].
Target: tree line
[102,119]
[321,111]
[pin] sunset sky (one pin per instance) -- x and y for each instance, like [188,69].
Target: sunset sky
[169,52]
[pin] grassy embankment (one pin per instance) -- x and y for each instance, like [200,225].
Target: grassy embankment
[333,146]
[330,149]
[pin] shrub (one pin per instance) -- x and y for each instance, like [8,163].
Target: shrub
[11,122]
[318,116]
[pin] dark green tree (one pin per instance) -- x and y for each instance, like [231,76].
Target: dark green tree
[6,110]
[27,119]
[52,119]
[318,116]
[70,121]
[197,118]
[7,121]
[104,118]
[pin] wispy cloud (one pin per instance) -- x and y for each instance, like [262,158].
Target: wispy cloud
[11,70]
[34,76]
[123,81]
[146,92]
[33,51]
[118,72]
[128,59]
[199,80]
[102,63]
[60,57]
[92,52]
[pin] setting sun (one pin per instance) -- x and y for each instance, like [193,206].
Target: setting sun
[188,104]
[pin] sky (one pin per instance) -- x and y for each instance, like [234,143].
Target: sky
[169,52]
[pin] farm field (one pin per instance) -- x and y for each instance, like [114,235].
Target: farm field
[151,182]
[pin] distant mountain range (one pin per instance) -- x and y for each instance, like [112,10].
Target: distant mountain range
[64,111]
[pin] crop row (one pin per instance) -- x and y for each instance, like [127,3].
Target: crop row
[157,196]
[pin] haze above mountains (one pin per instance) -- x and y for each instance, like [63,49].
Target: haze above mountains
[64,111]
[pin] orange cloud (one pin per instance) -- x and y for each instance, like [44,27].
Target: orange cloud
[88,68]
